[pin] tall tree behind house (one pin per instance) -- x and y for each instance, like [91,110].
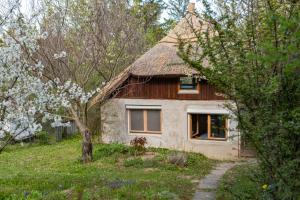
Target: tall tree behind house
[177,9]
[149,12]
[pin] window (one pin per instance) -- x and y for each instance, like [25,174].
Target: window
[144,121]
[208,126]
[137,120]
[218,126]
[188,83]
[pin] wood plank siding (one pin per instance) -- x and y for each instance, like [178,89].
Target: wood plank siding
[163,88]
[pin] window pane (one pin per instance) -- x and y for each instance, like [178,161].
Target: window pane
[153,120]
[187,83]
[218,126]
[199,126]
[137,120]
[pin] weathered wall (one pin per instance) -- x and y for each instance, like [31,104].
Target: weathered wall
[174,127]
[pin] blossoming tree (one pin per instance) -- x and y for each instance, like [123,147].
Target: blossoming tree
[27,97]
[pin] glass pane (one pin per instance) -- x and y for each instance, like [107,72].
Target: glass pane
[187,83]
[218,126]
[137,120]
[153,120]
[199,126]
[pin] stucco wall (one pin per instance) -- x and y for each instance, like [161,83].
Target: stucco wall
[174,126]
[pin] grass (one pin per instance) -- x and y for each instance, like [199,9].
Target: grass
[55,172]
[240,182]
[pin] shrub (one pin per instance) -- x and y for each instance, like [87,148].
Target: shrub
[178,159]
[138,144]
[241,182]
[42,137]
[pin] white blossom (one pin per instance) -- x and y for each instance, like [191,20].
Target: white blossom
[62,54]
[44,35]
[26,99]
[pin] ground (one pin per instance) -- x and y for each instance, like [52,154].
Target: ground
[241,182]
[208,185]
[55,172]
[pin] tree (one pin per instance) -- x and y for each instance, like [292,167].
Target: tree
[149,11]
[26,98]
[253,50]
[100,39]
[177,9]
[88,43]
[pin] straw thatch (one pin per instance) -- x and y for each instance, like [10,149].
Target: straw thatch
[162,59]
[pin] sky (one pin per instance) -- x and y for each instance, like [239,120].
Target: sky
[26,7]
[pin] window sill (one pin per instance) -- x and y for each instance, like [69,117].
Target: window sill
[154,134]
[212,139]
[146,132]
[188,92]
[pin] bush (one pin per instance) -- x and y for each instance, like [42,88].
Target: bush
[178,159]
[138,143]
[241,182]
[42,137]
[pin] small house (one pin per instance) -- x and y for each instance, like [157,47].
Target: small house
[161,98]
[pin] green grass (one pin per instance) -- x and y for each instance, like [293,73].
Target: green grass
[55,172]
[241,182]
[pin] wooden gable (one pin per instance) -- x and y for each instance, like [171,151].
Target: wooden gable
[163,88]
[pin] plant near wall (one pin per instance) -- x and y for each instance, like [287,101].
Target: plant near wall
[138,143]
[253,50]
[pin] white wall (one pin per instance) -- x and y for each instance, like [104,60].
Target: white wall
[174,126]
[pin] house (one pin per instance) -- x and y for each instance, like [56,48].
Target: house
[154,98]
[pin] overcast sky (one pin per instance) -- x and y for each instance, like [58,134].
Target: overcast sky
[26,7]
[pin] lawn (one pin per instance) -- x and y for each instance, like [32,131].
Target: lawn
[55,172]
[240,182]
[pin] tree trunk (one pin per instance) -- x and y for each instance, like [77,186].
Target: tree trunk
[100,125]
[87,145]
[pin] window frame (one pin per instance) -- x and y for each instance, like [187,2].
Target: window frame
[194,83]
[194,90]
[209,134]
[145,120]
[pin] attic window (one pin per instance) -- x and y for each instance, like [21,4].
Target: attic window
[188,83]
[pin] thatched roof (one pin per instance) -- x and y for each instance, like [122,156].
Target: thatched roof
[162,59]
